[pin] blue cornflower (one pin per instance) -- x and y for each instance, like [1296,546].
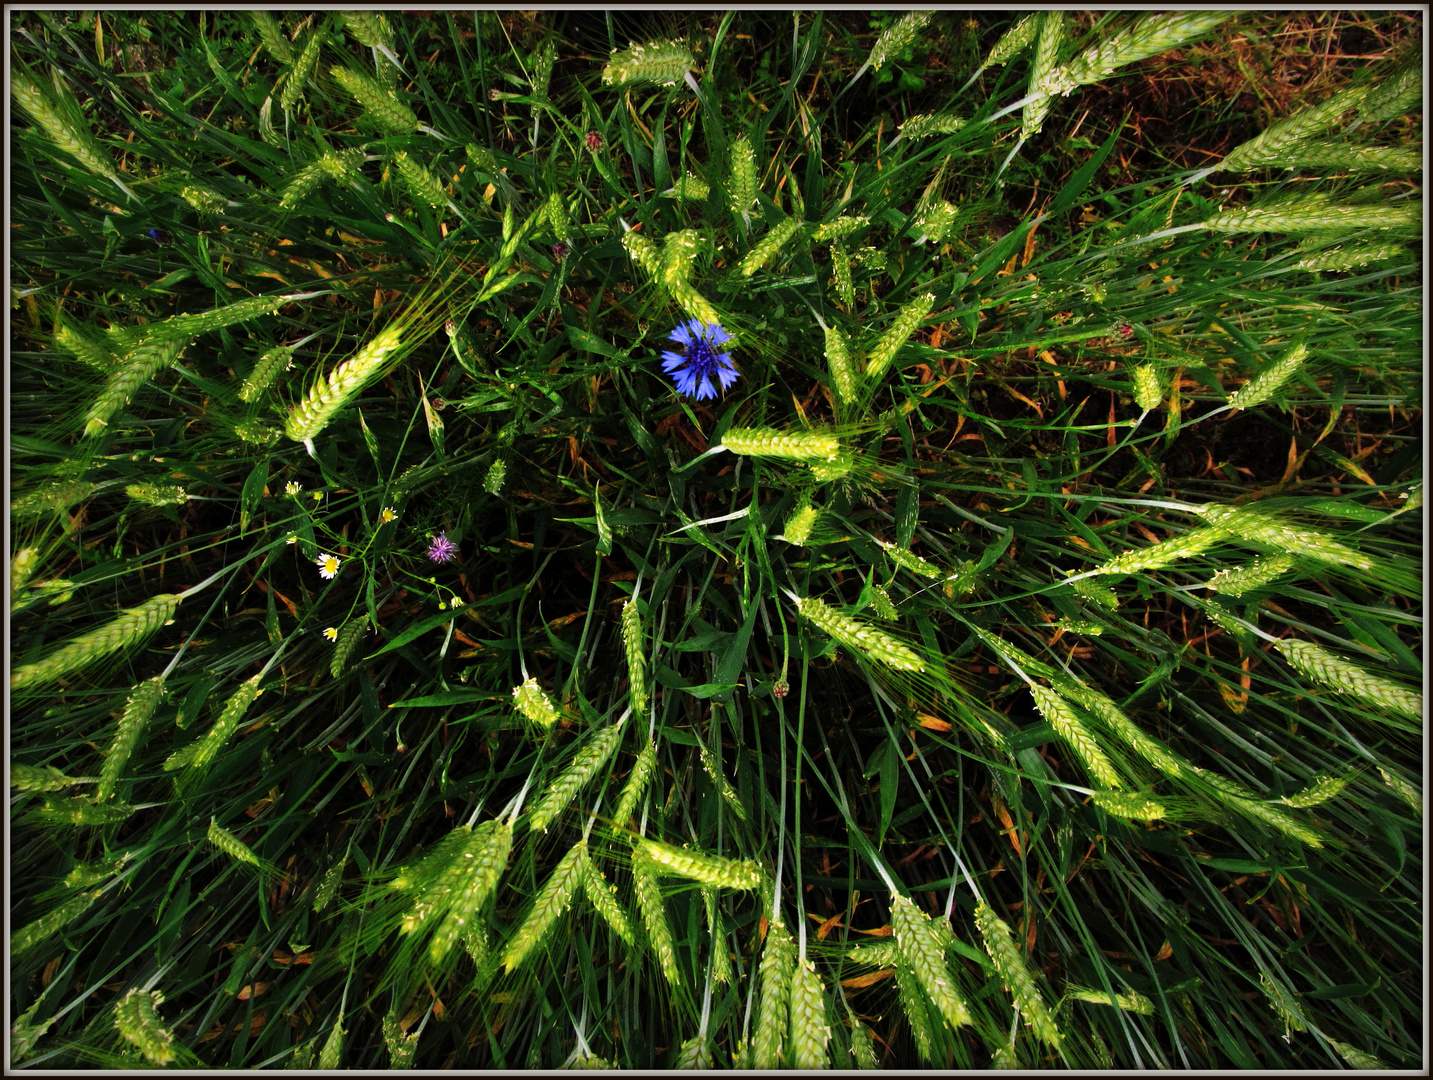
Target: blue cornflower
[702,364]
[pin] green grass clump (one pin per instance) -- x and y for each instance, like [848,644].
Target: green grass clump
[1015,663]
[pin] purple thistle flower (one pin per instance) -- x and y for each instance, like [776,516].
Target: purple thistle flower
[702,365]
[442,549]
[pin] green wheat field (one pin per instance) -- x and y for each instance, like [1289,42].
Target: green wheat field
[716,540]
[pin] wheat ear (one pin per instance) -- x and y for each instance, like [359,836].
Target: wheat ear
[907,319]
[154,354]
[1344,677]
[1067,725]
[142,702]
[401,1046]
[312,414]
[654,917]
[50,923]
[708,869]
[482,862]
[920,948]
[1014,974]
[663,62]
[550,902]
[380,104]
[810,1033]
[132,625]
[584,766]
[301,72]
[603,896]
[137,1018]
[796,445]
[778,964]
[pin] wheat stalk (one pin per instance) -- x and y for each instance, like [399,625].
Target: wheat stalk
[633,645]
[1339,674]
[1318,790]
[1347,257]
[1014,974]
[1357,1058]
[691,186]
[235,848]
[312,414]
[907,319]
[1130,1001]
[1393,95]
[82,347]
[157,494]
[778,965]
[143,700]
[841,279]
[137,1018]
[642,252]
[1147,392]
[304,182]
[857,635]
[1045,74]
[1014,40]
[132,625]
[721,955]
[208,747]
[695,1053]
[1409,793]
[796,445]
[1150,36]
[917,1011]
[584,766]
[909,560]
[549,903]
[330,1056]
[919,947]
[919,127]
[663,62]
[839,228]
[206,200]
[332,879]
[1151,749]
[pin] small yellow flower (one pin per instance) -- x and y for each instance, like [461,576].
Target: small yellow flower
[292,488]
[442,605]
[387,515]
[331,633]
[327,566]
[318,496]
